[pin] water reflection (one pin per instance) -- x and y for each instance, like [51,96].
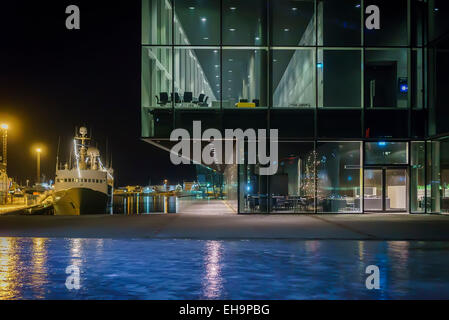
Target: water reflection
[76,252]
[213,280]
[39,270]
[144,204]
[9,269]
[253,269]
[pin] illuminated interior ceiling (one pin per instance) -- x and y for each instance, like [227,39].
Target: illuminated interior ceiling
[200,20]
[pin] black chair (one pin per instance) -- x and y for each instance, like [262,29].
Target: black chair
[176,98]
[204,104]
[163,100]
[188,97]
[200,99]
[256,102]
[243,100]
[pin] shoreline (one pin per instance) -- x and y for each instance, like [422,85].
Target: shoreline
[380,227]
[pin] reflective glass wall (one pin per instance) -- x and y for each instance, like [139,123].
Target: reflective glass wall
[308,68]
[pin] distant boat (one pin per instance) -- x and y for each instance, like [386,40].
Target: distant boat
[85,188]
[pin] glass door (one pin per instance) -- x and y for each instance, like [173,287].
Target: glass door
[396,194]
[373,195]
[385,190]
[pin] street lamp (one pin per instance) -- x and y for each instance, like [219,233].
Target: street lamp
[4,163]
[38,152]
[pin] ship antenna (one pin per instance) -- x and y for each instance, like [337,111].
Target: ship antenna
[107,152]
[57,153]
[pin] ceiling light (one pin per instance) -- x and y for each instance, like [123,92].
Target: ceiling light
[357,5]
[230,71]
[286,29]
[215,51]
[232,29]
[217,76]
[229,80]
[192,8]
[230,60]
[274,60]
[232,8]
[257,38]
[203,19]
[294,9]
[205,38]
[218,85]
[216,66]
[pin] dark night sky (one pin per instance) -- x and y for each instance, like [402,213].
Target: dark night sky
[53,79]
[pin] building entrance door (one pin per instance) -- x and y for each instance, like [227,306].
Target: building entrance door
[386,189]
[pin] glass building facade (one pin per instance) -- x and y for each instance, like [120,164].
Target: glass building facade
[362,114]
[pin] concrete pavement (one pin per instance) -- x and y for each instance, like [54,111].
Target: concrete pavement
[212,227]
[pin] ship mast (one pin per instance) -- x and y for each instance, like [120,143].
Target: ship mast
[82,137]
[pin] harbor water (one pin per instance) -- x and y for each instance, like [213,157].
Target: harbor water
[32,268]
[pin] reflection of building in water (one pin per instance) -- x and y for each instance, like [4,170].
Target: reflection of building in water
[356,131]
[213,279]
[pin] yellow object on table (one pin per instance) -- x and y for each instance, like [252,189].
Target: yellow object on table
[245,105]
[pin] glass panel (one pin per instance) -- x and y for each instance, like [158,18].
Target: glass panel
[386,152]
[417,176]
[231,186]
[396,190]
[244,22]
[292,189]
[438,21]
[293,81]
[339,22]
[418,12]
[156,77]
[293,22]
[433,176]
[156,22]
[444,174]
[197,78]
[373,198]
[417,78]
[253,189]
[244,78]
[339,78]
[386,80]
[197,22]
[393,24]
[339,181]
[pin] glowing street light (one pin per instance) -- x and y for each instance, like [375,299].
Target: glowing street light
[4,158]
[38,153]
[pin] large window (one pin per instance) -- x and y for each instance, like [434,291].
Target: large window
[244,22]
[378,153]
[339,176]
[339,78]
[393,28]
[339,23]
[293,23]
[386,78]
[292,188]
[197,22]
[157,77]
[197,77]
[156,22]
[294,78]
[244,78]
